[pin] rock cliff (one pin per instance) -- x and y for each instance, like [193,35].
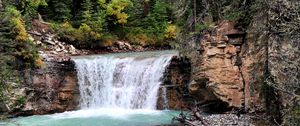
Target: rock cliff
[50,89]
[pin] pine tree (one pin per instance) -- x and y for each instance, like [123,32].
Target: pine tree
[60,10]
[7,58]
[156,20]
[87,11]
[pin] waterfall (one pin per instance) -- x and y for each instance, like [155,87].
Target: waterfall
[129,81]
[164,98]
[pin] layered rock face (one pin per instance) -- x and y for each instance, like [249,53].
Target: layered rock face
[211,76]
[216,66]
[220,63]
[51,89]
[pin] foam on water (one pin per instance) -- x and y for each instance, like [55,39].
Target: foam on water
[108,112]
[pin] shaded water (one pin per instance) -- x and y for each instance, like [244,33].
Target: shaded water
[97,117]
[116,90]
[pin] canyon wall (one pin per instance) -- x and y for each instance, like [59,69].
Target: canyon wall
[256,70]
[51,89]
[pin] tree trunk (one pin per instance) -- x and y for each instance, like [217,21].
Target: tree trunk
[195,14]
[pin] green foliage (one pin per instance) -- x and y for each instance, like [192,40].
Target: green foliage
[236,10]
[65,30]
[16,52]
[98,21]
[21,100]
[116,8]
[17,24]
[87,11]
[152,27]
[25,50]
[107,40]
[7,74]
[58,10]
[201,26]
[156,20]
[234,15]
[89,21]
[292,116]
[30,9]
[84,35]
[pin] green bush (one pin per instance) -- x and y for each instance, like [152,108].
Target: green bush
[25,50]
[234,15]
[85,36]
[21,101]
[66,30]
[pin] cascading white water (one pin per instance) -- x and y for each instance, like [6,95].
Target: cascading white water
[121,81]
[164,98]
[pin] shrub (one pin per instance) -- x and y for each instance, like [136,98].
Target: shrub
[19,28]
[67,31]
[84,35]
[234,15]
[17,24]
[140,39]
[21,100]
[31,6]
[39,63]
[171,32]
[107,40]
[25,49]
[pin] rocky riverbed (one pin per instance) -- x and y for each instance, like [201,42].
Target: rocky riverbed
[227,120]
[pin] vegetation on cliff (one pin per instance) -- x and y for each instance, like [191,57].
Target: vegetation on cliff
[16,52]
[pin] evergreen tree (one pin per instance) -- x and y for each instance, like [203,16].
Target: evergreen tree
[7,58]
[87,11]
[59,10]
[156,20]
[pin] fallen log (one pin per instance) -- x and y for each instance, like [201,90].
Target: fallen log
[192,119]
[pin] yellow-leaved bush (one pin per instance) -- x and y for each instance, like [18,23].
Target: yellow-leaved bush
[171,32]
[83,34]
[116,8]
[141,39]
[25,49]
[39,63]
[19,27]
[86,32]
[17,24]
